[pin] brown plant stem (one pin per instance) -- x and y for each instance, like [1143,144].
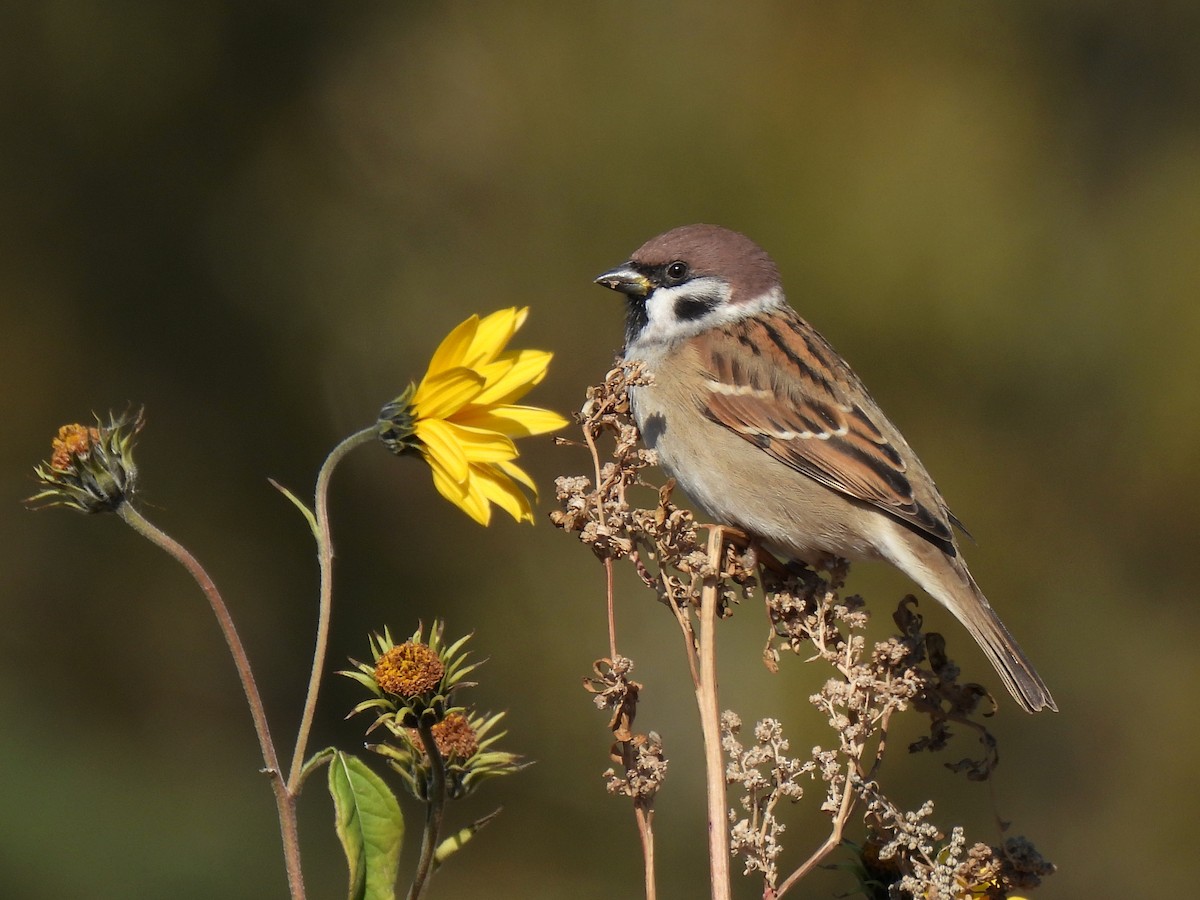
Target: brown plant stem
[285,800]
[590,438]
[710,723]
[831,842]
[643,814]
[645,820]
[325,603]
[612,614]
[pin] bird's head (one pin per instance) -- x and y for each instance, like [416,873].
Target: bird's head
[690,279]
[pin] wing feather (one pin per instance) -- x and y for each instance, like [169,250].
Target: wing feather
[798,401]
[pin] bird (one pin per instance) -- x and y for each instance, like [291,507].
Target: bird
[768,429]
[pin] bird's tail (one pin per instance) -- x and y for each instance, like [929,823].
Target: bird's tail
[951,584]
[1010,661]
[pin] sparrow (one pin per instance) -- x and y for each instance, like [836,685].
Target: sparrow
[768,429]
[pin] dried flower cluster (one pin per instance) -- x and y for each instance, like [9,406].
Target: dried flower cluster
[662,541]
[907,856]
[904,854]
[766,775]
[644,767]
[641,756]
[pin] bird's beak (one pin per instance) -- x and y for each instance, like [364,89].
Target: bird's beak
[627,281]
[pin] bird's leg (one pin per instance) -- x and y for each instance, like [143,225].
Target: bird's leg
[752,547]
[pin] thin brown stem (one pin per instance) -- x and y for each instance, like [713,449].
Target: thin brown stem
[645,820]
[710,724]
[881,746]
[644,815]
[325,605]
[285,801]
[831,842]
[612,615]
[608,563]
[684,618]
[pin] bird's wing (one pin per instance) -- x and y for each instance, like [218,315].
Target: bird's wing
[777,383]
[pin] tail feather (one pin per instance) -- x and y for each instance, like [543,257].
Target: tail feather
[947,579]
[1013,666]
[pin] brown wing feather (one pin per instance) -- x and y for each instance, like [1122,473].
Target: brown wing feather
[796,399]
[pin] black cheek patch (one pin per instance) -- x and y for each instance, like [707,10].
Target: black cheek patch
[688,309]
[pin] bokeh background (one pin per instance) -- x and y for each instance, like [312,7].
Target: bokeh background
[258,219]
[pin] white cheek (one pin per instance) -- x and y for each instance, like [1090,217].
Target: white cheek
[662,325]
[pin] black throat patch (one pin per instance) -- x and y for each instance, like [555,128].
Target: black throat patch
[636,318]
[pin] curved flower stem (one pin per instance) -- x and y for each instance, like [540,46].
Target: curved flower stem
[325,560]
[285,800]
[433,811]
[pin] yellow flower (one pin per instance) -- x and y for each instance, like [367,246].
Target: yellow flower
[462,416]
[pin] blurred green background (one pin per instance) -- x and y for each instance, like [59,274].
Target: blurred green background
[259,218]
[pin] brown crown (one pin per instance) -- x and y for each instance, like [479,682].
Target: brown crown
[715,251]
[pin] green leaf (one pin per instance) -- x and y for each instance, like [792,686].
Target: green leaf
[299,504]
[370,826]
[456,841]
[314,762]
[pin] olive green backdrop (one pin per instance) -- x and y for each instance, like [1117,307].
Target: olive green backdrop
[258,219]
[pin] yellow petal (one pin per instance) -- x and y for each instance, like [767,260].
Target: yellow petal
[493,333]
[441,444]
[500,489]
[453,348]
[512,376]
[480,444]
[514,421]
[450,488]
[476,504]
[472,502]
[515,472]
[442,395]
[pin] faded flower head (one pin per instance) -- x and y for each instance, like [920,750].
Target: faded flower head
[454,736]
[462,417]
[90,468]
[409,669]
[411,681]
[463,740]
[465,744]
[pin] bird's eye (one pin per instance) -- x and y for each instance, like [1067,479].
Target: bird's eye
[677,271]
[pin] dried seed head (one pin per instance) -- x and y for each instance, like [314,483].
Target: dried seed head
[409,669]
[90,468]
